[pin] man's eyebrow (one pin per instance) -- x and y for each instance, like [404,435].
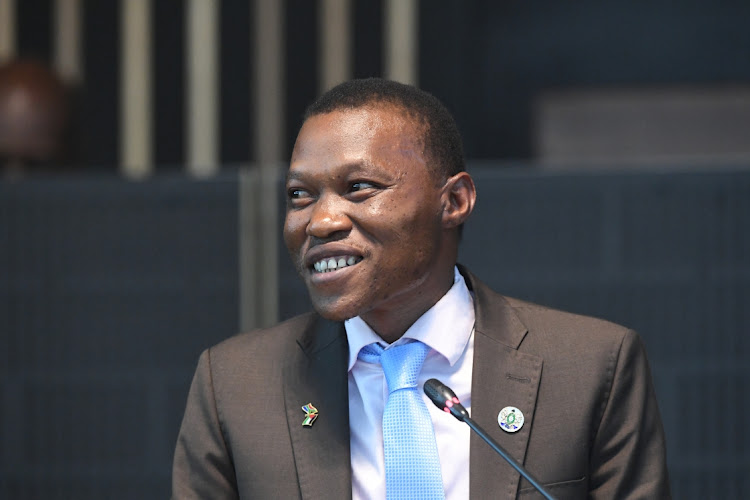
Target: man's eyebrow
[347,168]
[291,175]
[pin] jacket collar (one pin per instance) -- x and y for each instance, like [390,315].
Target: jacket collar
[501,376]
[495,317]
[316,373]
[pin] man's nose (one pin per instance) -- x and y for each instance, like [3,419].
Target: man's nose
[328,217]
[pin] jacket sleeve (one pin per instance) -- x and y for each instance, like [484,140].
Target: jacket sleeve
[203,466]
[628,458]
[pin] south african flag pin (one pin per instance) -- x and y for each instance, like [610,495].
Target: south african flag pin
[311,413]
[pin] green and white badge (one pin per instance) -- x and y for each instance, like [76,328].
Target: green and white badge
[510,419]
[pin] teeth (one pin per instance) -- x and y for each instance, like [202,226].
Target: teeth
[333,263]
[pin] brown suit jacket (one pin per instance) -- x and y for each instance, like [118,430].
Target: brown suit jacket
[592,424]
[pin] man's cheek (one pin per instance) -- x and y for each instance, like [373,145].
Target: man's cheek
[294,233]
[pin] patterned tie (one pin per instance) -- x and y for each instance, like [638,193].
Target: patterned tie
[412,465]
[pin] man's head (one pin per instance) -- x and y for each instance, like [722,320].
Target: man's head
[33,117]
[376,190]
[441,140]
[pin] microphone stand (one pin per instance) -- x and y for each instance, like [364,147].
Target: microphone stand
[445,399]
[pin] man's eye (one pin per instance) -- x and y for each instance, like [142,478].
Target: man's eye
[298,197]
[295,194]
[361,185]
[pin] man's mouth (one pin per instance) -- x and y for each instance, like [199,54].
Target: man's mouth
[333,263]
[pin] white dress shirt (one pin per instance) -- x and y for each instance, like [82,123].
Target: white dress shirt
[448,328]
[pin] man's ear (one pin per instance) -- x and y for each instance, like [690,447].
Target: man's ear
[458,198]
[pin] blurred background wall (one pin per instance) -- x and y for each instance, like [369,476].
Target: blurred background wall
[611,144]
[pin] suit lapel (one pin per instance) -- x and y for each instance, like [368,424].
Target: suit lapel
[502,376]
[317,374]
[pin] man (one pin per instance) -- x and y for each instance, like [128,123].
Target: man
[377,195]
[34,119]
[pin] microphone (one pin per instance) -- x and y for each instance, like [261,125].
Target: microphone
[445,399]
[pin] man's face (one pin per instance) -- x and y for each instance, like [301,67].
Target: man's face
[363,222]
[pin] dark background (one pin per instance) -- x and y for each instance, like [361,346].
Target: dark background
[110,289]
[487,60]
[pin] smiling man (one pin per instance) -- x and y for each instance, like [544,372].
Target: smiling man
[373,216]
[330,404]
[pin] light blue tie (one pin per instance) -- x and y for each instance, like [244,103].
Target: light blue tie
[412,465]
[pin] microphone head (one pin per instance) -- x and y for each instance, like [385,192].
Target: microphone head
[437,391]
[444,398]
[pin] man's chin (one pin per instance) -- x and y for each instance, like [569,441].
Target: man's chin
[334,310]
[333,314]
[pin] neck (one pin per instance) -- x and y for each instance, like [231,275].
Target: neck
[391,323]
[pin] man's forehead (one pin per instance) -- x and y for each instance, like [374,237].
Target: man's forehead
[357,137]
[387,125]
[385,112]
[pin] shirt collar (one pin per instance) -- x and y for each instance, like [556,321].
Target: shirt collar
[445,327]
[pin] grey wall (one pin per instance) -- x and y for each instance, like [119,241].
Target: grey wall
[489,61]
[109,290]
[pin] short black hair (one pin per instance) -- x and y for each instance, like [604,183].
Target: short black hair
[442,140]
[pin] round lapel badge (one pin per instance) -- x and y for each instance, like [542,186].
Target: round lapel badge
[510,419]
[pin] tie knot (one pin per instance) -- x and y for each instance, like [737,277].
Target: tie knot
[401,364]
